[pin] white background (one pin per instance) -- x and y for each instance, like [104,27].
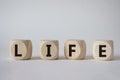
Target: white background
[61,20]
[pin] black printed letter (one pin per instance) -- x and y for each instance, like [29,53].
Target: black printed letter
[70,49]
[48,50]
[16,51]
[100,50]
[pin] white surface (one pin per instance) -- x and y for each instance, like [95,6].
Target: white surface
[61,20]
[61,69]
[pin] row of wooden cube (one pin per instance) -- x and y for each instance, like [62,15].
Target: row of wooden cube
[73,49]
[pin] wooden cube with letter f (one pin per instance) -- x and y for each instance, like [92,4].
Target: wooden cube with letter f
[75,49]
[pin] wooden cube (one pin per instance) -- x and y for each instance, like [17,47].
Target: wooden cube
[75,49]
[103,50]
[49,49]
[21,49]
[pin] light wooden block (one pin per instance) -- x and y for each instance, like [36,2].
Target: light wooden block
[21,49]
[103,50]
[49,49]
[75,49]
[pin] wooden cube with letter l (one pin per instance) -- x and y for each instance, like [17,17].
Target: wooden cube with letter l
[21,49]
[49,49]
[103,50]
[75,49]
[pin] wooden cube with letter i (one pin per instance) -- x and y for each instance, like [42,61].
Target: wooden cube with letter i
[49,49]
[103,50]
[21,49]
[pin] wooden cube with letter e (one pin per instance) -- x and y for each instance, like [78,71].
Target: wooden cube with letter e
[103,50]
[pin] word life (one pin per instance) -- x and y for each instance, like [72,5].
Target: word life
[73,49]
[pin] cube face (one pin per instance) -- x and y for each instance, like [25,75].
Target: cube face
[21,49]
[49,49]
[75,49]
[103,50]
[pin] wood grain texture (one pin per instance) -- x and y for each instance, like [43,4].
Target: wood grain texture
[109,49]
[80,49]
[24,49]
